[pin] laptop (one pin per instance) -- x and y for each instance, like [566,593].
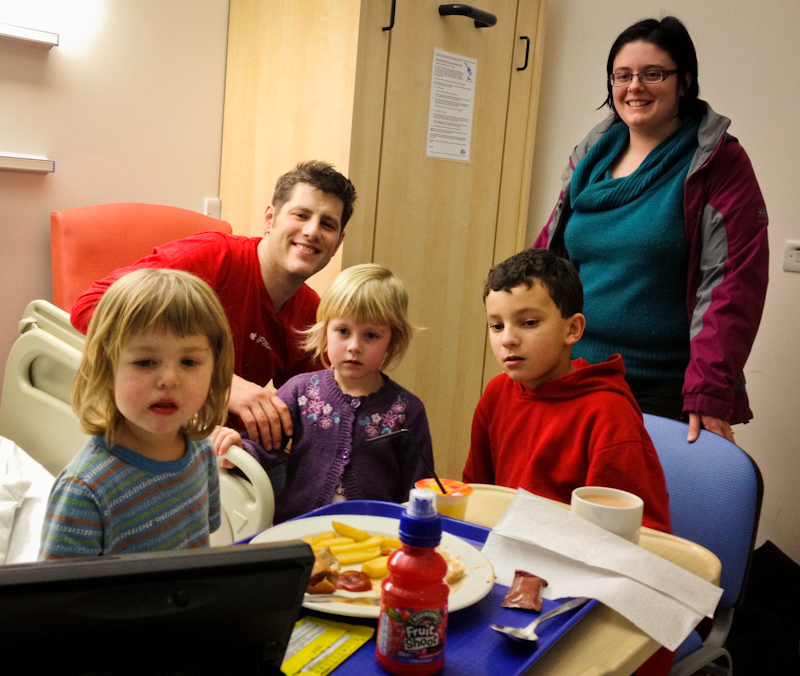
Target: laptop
[213,610]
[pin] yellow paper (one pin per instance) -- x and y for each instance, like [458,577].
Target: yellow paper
[318,646]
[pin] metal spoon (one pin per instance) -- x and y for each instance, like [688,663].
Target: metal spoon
[529,633]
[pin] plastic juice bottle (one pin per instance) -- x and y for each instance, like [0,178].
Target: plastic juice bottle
[412,627]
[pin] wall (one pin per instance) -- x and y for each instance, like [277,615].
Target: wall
[129,105]
[745,55]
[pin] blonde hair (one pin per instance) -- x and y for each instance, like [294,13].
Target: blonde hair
[369,294]
[144,300]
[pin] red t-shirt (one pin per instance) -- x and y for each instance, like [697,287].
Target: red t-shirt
[266,344]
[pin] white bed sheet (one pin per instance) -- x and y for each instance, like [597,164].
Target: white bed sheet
[15,466]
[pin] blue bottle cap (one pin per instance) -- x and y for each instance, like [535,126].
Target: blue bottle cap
[421,525]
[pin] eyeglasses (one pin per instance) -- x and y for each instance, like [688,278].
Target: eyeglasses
[648,77]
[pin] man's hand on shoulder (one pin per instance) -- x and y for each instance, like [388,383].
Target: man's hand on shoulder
[715,425]
[263,413]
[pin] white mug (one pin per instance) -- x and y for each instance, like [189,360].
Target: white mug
[615,510]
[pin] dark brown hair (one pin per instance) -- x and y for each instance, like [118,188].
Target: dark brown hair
[671,36]
[556,274]
[319,175]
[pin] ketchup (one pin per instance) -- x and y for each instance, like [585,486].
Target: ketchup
[412,626]
[354,581]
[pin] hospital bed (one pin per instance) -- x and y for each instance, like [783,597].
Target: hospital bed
[39,435]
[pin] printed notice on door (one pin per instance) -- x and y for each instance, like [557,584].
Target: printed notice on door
[452,105]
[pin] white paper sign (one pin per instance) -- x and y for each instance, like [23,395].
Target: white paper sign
[452,105]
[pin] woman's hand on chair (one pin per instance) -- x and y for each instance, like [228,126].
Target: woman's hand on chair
[715,425]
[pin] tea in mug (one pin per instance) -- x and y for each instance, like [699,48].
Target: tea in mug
[607,501]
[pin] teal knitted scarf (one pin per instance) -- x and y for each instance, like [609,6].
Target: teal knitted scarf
[592,190]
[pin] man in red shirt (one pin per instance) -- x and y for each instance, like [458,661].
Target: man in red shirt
[261,284]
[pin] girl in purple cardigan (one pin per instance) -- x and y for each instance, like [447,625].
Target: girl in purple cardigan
[362,328]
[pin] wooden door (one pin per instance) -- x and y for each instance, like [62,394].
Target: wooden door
[434,221]
[312,79]
[288,98]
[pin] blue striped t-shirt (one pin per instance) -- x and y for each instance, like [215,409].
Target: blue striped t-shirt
[113,500]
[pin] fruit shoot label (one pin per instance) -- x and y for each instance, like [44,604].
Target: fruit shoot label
[412,636]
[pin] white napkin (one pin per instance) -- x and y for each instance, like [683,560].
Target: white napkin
[578,558]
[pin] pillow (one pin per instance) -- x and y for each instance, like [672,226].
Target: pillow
[22,545]
[12,493]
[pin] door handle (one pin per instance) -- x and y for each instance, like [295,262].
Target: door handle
[482,19]
[391,20]
[527,50]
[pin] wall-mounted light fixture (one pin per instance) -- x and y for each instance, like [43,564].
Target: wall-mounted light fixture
[28,163]
[29,35]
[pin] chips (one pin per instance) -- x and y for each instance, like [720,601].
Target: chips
[351,546]
[346,531]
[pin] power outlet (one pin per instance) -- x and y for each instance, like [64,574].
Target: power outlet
[791,255]
[212,207]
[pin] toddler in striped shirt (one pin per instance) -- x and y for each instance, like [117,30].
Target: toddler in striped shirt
[152,385]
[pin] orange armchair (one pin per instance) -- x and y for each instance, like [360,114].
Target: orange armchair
[88,243]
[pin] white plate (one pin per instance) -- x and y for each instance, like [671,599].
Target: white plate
[476,584]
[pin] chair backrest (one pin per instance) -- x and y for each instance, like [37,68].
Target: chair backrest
[88,243]
[715,491]
[36,414]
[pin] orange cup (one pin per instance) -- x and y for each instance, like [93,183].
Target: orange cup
[454,502]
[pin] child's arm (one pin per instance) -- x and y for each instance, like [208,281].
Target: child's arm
[268,457]
[629,468]
[621,455]
[223,438]
[480,467]
[71,502]
[263,413]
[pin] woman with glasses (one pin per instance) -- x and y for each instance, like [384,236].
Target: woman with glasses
[662,215]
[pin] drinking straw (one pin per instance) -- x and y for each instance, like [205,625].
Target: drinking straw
[406,433]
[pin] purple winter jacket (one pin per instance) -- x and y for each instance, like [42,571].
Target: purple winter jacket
[728,264]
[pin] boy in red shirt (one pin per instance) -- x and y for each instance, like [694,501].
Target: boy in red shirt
[550,424]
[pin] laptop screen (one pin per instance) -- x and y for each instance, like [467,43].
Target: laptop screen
[210,610]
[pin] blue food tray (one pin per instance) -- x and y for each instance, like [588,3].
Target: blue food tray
[472,646]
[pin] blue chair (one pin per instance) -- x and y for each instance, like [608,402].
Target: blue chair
[715,492]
